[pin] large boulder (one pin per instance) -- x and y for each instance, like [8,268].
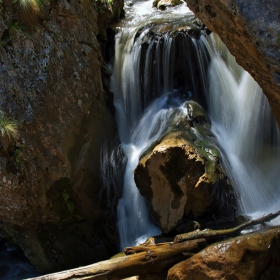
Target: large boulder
[181,176]
[51,83]
[250,30]
[252,256]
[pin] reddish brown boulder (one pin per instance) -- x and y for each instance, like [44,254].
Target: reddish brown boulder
[181,176]
[252,256]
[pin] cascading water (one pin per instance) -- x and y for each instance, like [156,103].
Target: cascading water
[137,82]
[148,91]
[247,132]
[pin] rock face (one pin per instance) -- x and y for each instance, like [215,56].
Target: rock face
[252,256]
[250,29]
[181,177]
[50,81]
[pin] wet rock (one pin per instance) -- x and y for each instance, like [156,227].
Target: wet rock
[252,256]
[163,4]
[250,29]
[180,176]
[185,57]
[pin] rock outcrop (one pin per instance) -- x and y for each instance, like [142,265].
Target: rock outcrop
[163,4]
[51,83]
[180,176]
[252,256]
[250,29]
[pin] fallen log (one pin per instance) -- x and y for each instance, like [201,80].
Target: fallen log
[209,233]
[156,258]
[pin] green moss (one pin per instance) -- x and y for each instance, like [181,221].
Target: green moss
[211,155]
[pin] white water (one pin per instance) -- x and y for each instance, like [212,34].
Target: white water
[247,132]
[241,118]
[139,123]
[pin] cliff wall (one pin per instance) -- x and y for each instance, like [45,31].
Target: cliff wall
[51,83]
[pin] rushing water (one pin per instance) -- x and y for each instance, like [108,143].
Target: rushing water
[148,91]
[13,264]
[247,132]
[145,100]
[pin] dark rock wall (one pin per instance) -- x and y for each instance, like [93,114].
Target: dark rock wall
[50,81]
[250,29]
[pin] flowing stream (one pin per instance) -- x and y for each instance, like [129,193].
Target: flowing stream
[160,62]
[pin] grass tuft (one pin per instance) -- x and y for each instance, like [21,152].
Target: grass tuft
[29,11]
[8,126]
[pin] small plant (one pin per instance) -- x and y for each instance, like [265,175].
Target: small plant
[8,126]
[106,2]
[19,161]
[15,27]
[29,11]
[69,203]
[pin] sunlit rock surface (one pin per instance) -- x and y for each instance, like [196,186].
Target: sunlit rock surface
[50,81]
[181,176]
[163,4]
[252,256]
[250,29]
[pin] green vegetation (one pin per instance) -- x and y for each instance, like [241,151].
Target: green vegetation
[8,126]
[16,27]
[106,2]
[69,203]
[29,11]
[19,161]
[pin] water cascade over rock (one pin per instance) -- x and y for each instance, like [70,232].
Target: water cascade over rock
[145,73]
[160,63]
[181,176]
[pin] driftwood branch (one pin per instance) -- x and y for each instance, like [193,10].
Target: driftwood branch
[155,258]
[209,233]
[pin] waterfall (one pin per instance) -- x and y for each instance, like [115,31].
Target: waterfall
[160,63]
[246,130]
